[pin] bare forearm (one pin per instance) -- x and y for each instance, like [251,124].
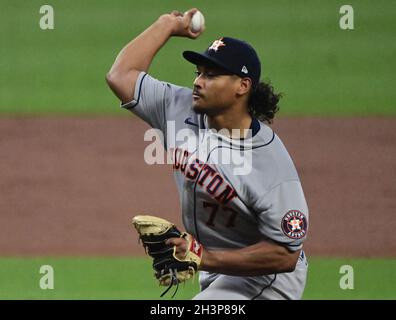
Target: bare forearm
[259,259]
[137,56]
[139,53]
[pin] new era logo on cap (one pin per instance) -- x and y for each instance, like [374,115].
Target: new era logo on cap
[245,70]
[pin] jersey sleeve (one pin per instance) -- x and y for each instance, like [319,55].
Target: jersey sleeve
[284,215]
[151,99]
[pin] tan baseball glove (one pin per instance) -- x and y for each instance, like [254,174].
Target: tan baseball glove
[168,268]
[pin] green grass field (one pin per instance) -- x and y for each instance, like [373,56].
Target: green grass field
[322,69]
[131,278]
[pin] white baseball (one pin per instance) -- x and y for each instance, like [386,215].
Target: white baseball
[197,22]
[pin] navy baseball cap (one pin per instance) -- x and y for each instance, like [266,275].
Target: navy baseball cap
[233,55]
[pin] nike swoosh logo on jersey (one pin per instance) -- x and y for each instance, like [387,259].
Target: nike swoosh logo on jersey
[188,121]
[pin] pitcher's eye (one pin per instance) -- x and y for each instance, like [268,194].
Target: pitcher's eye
[197,73]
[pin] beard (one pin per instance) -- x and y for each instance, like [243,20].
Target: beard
[199,109]
[207,109]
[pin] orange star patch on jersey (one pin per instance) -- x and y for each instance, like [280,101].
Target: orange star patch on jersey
[294,224]
[217,44]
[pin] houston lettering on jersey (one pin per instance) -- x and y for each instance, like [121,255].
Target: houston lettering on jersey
[208,178]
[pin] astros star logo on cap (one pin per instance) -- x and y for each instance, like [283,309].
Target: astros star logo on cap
[217,44]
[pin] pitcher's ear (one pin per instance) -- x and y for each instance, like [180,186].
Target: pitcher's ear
[244,85]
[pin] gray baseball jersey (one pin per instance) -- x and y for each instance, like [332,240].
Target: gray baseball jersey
[233,192]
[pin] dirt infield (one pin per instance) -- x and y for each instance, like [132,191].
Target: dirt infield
[70,186]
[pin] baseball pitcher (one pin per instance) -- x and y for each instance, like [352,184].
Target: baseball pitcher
[243,207]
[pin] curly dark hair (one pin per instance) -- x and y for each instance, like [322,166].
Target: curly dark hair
[263,102]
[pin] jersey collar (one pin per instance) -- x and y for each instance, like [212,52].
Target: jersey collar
[254,126]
